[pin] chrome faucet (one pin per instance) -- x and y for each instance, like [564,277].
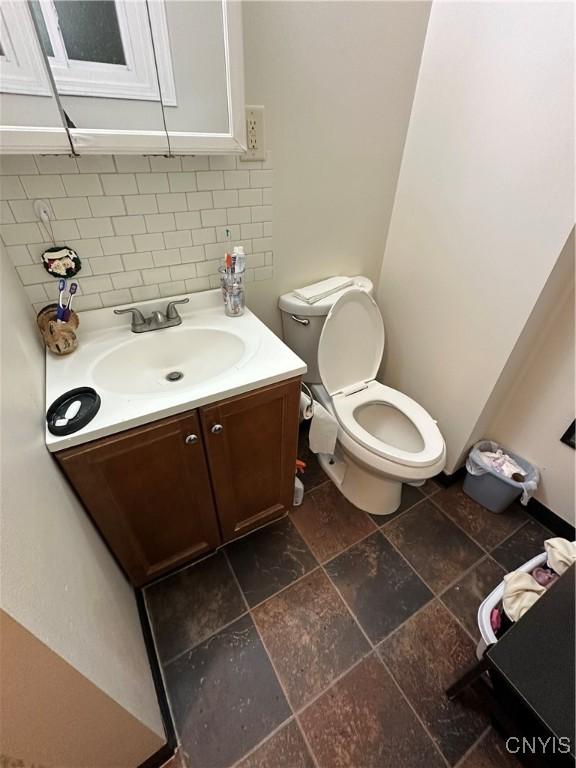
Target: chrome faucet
[157,320]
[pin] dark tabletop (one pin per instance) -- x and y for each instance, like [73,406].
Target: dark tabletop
[536,657]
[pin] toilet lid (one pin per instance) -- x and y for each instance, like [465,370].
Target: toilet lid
[351,343]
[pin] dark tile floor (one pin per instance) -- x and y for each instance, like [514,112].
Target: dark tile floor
[326,639]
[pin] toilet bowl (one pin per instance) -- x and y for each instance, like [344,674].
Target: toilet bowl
[384,437]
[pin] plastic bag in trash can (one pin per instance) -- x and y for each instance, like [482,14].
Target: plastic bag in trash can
[478,464]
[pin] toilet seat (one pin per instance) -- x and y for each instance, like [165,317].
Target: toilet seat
[349,355]
[346,407]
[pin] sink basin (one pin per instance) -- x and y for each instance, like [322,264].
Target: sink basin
[160,362]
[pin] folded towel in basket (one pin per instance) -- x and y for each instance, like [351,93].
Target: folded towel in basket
[317,291]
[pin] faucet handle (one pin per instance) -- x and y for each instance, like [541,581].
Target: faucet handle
[137,316]
[171,311]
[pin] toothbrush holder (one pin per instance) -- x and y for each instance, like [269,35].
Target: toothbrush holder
[60,337]
[232,284]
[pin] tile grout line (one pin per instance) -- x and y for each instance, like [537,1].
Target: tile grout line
[469,751]
[378,657]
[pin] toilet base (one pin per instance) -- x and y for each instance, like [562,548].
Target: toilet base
[375,494]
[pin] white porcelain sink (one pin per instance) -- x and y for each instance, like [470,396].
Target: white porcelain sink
[162,361]
[218,357]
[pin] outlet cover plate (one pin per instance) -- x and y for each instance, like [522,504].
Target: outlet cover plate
[255,134]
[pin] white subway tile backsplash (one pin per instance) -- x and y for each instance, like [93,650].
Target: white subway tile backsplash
[166,257]
[79,184]
[137,260]
[20,234]
[108,205]
[188,220]
[21,211]
[132,164]
[129,225]
[227,198]
[118,184]
[151,182]
[239,216]
[192,253]
[17,165]
[183,271]
[161,163]
[56,164]
[151,242]
[70,208]
[195,163]
[120,244]
[236,179]
[222,163]
[96,164]
[141,204]
[45,186]
[144,227]
[178,239]
[6,215]
[114,298]
[214,217]
[156,276]
[252,230]
[172,288]
[65,230]
[102,265]
[176,201]
[19,255]
[127,279]
[197,284]
[92,301]
[11,188]
[145,293]
[95,227]
[94,284]
[203,236]
[182,182]
[249,197]
[210,180]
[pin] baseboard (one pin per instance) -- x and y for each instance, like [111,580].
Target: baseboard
[550,520]
[166,751]
[447,480]
[534,508]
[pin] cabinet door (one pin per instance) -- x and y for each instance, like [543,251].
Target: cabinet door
[251,442]
[148,491]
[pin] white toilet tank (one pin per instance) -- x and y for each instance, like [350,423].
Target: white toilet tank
[302,324]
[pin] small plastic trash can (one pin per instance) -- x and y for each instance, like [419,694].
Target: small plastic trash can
[490,488]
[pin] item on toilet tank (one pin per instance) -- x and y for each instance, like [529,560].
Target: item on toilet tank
[316,291]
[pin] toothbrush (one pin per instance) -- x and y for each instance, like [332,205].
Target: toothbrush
[72,290]
[61,308]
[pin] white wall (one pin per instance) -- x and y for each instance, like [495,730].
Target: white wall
[57,578]
[337,80]
[539,406]
[483,206]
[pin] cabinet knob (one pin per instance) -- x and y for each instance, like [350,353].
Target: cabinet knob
[216,429]
[191,439]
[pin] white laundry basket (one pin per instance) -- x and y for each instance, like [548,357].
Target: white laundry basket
[493,600]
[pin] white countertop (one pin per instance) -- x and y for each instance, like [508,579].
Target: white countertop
[265,360]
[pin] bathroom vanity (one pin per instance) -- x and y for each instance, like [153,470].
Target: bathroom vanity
[174,470]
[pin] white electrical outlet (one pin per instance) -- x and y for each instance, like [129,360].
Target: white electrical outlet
[255,137]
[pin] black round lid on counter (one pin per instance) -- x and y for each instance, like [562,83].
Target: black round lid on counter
[89,407]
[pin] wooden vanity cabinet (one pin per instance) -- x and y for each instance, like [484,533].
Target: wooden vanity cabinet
[251,443]
[170,491]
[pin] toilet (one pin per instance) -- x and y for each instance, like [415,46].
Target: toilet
[385,438]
